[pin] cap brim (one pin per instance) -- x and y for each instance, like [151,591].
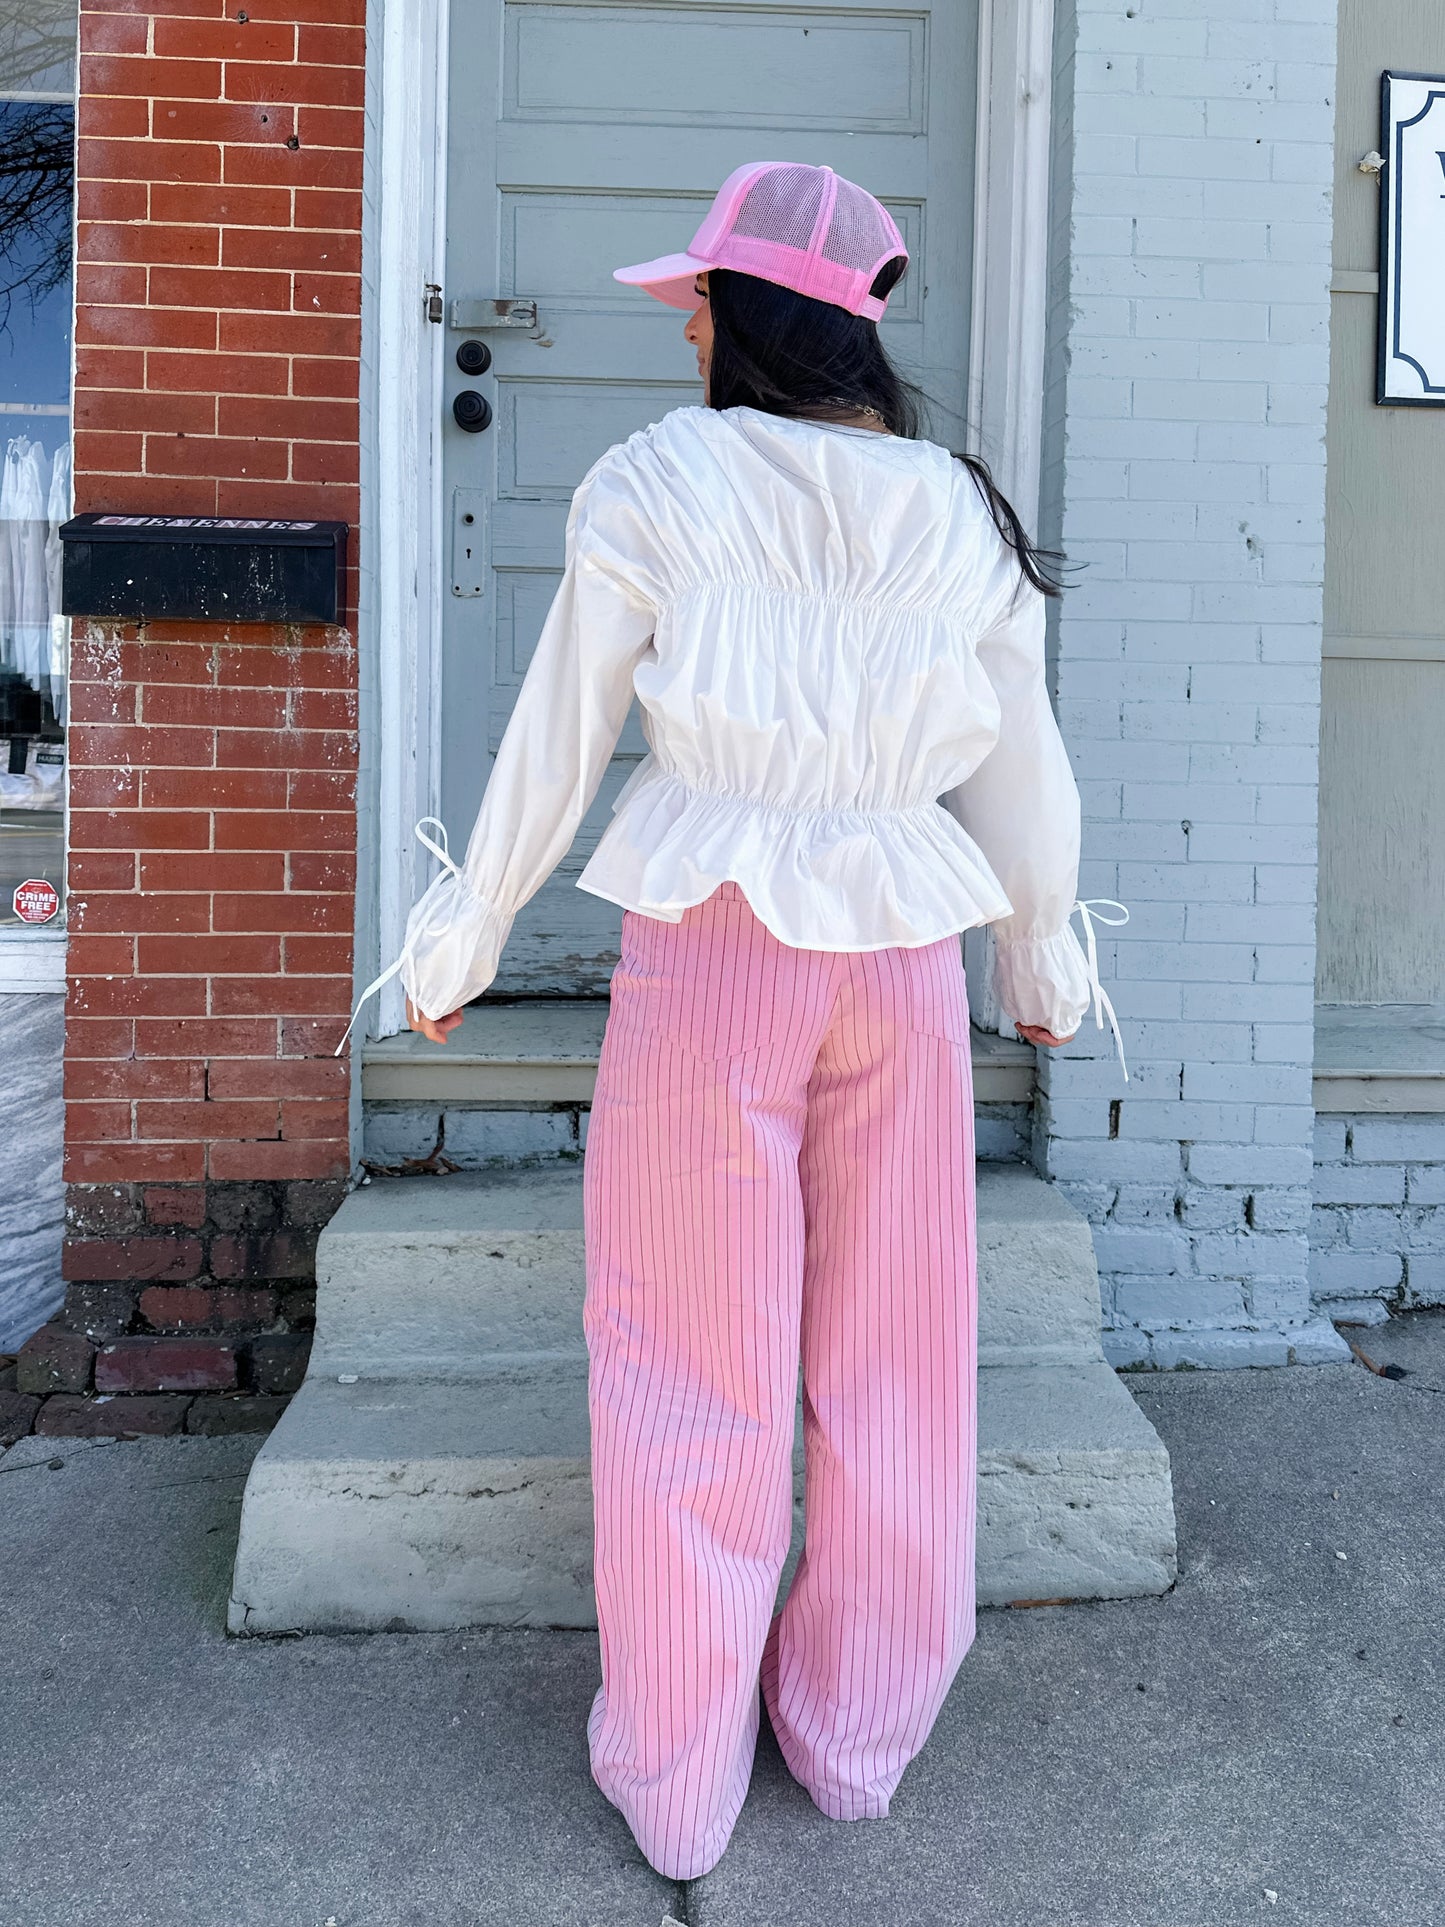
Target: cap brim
[669,278]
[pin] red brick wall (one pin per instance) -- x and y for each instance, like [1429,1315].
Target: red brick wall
[213,767]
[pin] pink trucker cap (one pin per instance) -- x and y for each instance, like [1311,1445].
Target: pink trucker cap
[804,227]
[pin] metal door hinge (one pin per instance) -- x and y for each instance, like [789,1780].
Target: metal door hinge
[434,309]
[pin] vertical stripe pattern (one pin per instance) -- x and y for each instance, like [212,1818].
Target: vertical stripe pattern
[779,1169]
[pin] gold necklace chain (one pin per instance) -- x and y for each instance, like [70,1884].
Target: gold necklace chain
[857,407]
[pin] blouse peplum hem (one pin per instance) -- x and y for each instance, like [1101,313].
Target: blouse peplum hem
[819,879]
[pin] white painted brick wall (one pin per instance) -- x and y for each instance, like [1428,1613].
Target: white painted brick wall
[470,1135]
[1377,1231]
[474,1136]
[1184,464]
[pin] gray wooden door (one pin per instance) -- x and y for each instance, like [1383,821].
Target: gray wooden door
[583,137]
[1382,776]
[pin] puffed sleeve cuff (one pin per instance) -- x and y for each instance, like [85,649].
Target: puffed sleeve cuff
[1043,981]
[454,942]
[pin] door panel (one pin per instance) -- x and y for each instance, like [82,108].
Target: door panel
[759,67]
[586,136]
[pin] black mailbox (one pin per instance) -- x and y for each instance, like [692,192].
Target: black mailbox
[203,568]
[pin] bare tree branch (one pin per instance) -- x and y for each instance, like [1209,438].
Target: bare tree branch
[37,186]
[33,51]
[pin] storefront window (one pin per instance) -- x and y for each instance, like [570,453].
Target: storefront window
[37,190]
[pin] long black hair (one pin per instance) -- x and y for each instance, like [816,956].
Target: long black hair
[787,354]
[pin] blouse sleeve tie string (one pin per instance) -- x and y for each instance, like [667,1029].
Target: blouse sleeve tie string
[442,852]
[1102,1006]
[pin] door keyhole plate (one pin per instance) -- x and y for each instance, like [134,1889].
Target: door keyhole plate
[469,542]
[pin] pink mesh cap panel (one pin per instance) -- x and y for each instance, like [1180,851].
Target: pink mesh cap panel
[804,227]
[782,205]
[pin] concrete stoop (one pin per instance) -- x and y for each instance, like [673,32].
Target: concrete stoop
[432,1472]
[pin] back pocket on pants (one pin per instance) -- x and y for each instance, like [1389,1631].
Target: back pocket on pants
[935,990]
[711,983]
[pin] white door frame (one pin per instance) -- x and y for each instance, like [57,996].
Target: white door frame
[1009,302]
[405,525]
[1009,290]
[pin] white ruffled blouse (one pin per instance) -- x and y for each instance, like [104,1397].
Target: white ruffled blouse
[840,670]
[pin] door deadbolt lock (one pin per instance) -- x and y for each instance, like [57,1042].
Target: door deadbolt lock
[474,357]
[472,411]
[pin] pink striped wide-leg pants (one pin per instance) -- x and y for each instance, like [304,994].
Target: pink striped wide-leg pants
[779,1165]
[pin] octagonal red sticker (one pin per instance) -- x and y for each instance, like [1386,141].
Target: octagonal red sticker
[36,901]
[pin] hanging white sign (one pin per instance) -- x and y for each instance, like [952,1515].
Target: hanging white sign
[1412,240]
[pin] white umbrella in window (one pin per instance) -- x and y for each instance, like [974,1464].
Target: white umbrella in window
[58,511]
[7,554]
[32,595]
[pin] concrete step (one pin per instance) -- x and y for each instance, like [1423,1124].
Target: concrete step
[419,1504]
[426,1504]
[433,1470]
[545,1052]
[449,1275]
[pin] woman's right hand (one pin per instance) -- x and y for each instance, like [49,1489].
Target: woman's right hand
[435,1028]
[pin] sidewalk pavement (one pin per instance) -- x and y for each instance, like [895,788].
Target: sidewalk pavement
[1264,1744]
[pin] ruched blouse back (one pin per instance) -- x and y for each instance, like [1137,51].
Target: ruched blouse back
[839,668]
